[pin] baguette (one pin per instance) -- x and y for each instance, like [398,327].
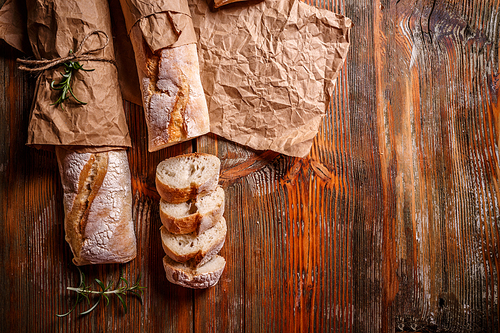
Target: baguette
[197,216]
[197,248]
[189,276]
[173,98]
[98,206]
[184,177]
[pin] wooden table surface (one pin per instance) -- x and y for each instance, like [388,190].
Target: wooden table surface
[390,224]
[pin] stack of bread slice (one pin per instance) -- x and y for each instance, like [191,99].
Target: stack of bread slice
[191,211]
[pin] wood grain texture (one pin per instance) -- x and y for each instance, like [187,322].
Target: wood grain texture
[438,149]
[390,224]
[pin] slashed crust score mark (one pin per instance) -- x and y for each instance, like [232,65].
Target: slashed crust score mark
[90,181]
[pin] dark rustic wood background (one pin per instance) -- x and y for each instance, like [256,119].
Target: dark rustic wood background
[390,224]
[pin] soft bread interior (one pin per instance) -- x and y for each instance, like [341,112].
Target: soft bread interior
[216,263]
[185,275]
[208,203]
[192,243]
[183,171]
[179,210]
[203,205]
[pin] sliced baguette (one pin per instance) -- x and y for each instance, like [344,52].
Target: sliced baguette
[187,275]
[184,177]
[197,216]
[197,248]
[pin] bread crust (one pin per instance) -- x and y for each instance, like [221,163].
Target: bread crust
[98,206]
[178,195]
[199,257]
[188,278]
[184,225]
[193,223]
[173,98]
[196,222]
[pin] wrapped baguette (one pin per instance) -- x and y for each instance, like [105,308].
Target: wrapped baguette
[166,56]
[56,30]
[88,130]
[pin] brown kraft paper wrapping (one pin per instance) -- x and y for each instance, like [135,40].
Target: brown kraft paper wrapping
[13,25]
[269,70]
[54,28]
[164,44]
[163,23]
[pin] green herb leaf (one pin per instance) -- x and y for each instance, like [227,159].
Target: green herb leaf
[106,298]
[100,284]
[123,302]
[91,309]
[110,284]
[78,300]
[64,85]
[124,281]
[84,292]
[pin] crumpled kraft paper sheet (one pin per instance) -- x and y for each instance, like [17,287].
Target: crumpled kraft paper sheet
[269,70]
[163,23]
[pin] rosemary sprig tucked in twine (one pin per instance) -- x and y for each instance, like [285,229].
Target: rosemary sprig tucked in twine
[71,64]
[70,68]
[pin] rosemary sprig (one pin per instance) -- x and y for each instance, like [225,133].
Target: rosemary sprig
[64,86]
[121,289]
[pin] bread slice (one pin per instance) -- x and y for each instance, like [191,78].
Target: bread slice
[197,248]
[189,276]
[193,216]
[184,177]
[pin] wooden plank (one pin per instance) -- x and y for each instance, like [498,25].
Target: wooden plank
[165,307]
[15,182]
[436,124]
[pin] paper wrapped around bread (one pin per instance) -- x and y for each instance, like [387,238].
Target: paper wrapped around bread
[98,206]
[268,69]
[164,43]
[56,28]
[89,137]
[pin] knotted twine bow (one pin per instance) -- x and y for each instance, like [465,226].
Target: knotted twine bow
[40,65]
